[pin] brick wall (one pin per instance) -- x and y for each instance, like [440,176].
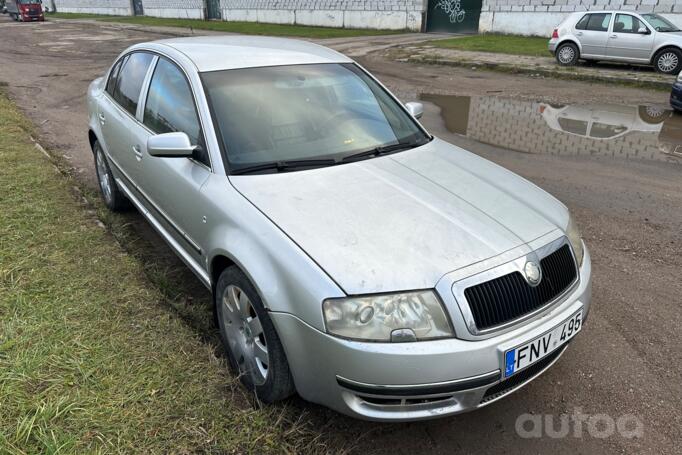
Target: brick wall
[539,17]
[386,14]
[185,9]
[115,7]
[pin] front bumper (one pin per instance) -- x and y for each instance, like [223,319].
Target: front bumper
[421,380]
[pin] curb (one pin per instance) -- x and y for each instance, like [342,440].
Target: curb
[511,69]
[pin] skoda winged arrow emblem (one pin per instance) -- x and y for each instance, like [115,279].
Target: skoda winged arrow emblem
[533,273]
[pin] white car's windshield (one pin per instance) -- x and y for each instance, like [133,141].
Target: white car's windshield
[318,114]
[660,24]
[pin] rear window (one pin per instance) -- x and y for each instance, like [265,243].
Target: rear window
[113,76]
[130,80]
[597,22]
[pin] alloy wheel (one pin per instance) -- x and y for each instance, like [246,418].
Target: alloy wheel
[245,334]
[668,62]
[566,54]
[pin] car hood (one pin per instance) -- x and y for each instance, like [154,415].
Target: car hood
[402,221]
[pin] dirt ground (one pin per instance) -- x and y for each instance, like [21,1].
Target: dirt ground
[626,363]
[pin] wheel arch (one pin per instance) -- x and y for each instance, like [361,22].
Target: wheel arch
[218,264]
[92,138]
[571,41]
[661,49]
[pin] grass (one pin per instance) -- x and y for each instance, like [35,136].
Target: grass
[92,359]
[246,28]
[503,44]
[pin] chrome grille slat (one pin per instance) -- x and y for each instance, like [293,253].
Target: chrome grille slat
[509,297]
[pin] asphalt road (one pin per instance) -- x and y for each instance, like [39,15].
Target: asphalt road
[624,367]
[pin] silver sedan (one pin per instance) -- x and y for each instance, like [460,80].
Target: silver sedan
[353,257]
[619,36]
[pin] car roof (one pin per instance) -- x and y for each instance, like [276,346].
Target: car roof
[224,52]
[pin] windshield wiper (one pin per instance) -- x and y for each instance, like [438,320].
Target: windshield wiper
[382,150]
[286,165]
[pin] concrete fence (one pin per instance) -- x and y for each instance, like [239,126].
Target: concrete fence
[377,14]
[523,17]
[539,17]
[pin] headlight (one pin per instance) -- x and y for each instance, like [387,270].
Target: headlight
[679,77]
[408,316]
[573,234]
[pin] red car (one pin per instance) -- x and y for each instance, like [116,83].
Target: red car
[25,10]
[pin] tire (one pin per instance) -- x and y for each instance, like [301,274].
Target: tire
[246,329]
[668,61]
[111,194]
[567,54]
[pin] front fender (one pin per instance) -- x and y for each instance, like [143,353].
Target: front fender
[286,278]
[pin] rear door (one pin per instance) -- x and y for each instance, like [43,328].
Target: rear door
[626,41]
[592,31]
[172,186]
[118,111]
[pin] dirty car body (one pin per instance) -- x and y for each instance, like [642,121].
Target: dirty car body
[406,278]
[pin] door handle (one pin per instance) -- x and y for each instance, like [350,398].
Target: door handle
[102,119]
[579,34]
[137,152]
[614,36]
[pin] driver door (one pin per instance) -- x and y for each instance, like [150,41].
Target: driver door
[171,186]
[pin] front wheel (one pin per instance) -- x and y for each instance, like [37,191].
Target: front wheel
[252,344]
[567,54]
[668,61]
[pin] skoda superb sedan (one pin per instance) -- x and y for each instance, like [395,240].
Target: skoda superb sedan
[353,257]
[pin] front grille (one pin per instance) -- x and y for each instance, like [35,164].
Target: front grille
[522,376]
[510,297]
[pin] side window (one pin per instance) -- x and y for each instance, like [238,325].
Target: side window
[582,23]
[170,106]
[627,24]
[113,76]
[599,22]
[130,80]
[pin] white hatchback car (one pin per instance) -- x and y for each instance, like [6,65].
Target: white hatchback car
[353,257]
[621,36]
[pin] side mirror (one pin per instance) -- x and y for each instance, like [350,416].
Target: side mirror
[416,109]
[170,145]
[644,31]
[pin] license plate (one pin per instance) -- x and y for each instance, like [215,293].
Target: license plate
[528,353]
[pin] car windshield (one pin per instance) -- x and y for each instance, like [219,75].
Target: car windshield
[318,114]
[659,23]
[30,2]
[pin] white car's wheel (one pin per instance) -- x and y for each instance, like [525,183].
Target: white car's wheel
[567,54]
[668,61]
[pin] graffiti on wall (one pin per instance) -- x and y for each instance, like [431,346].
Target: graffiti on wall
[453,8]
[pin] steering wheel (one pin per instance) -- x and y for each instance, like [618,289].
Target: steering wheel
[345,117]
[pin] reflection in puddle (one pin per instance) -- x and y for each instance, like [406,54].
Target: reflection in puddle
[618,131]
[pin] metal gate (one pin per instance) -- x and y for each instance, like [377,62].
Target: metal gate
[137,8]
[453,16]
[212,9]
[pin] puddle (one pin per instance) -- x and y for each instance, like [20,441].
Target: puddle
[610,130]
